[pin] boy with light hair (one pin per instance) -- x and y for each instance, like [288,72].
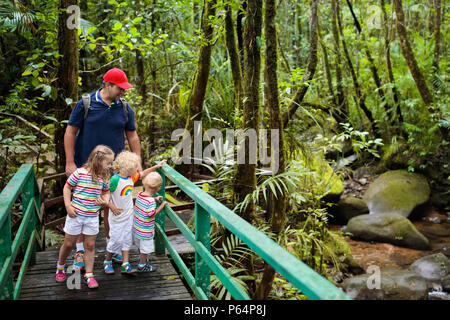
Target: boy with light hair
[144,219]
[121,205]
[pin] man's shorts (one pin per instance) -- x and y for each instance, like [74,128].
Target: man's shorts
[120,235]
[144,246]
[81,225]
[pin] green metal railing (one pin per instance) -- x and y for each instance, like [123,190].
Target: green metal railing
[28,234]
[30,230]
[313,285]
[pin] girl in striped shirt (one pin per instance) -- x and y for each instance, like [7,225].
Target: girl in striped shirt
[90,185]
[144,219]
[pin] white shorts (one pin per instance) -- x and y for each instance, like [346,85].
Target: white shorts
[81,225]
[120,235]
[144,246]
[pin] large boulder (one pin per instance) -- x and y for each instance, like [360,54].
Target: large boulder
[390,284]
[391,228]
[348,208]
[433,267]
[399,192]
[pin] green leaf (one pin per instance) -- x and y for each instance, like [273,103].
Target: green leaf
[117,26]
[92,46]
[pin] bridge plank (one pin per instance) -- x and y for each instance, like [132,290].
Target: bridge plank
[163,284]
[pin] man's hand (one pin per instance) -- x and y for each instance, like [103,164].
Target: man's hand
[70,168]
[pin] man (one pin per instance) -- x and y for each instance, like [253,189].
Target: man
[105,123]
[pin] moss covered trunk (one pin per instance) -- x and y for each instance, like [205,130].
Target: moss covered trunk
[67,79]
[409,55]
[278,204]
[246,172]
[233,56]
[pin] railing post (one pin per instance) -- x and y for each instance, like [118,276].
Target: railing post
[203,235]
[161,219]
[27,197]
[5,252]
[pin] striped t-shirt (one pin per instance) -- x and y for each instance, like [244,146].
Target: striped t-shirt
[144,217]
[86,192]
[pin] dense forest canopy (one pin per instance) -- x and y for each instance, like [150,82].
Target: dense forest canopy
[338,78]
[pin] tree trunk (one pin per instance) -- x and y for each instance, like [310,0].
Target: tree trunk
[387,52]
[200,80]
[239,19]
[204,61]
[278,205]
[67,82]
[233,55]
[360,97]
[409,56]
[310,68]
[141,76]
[341,102]
[437,36]
[373,67]
[246,172]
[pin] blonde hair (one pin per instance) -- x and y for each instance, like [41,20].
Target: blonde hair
[153,180]
[127,162]
[94,162]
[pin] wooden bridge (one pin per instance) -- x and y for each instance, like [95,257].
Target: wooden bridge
[34,276]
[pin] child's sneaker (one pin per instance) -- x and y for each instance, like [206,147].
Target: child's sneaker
[127,268]
[60,275]
[109,269]
[90,281]
[78,260]
[118,258]
[146,268]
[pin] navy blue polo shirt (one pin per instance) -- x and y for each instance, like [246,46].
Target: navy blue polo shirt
[103,125]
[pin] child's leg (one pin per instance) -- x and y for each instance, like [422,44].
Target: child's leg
[142,258]
[80,241]
[89,247]
[106,221]
[108,256]
[126,256]
[66,248]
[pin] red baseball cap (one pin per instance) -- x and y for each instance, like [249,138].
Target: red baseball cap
[118,77]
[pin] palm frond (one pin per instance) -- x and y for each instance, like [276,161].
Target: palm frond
[16,18]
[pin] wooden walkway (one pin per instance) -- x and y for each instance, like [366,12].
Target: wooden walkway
[162,284]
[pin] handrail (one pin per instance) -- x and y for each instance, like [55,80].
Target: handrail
[313,285]
[29,232]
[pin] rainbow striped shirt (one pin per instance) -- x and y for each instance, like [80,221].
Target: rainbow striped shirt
[86,192]
[144,217]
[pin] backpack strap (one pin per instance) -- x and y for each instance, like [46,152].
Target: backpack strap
[125,108]
[87,103]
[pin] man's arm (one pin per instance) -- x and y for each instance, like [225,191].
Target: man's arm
[69,147]
[135,145]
